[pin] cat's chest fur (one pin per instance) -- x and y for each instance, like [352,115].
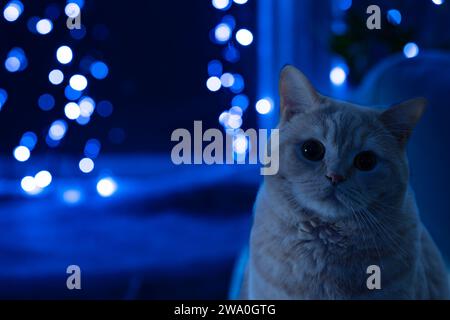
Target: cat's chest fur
[306,258]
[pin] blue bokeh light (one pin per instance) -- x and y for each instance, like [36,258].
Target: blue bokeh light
[3,97]
[410,50]
[92,148]
[57,130]
[238,85]
[29,140]
[56,77]
[46,102]
[215,68]
[99,70]
[106,187]
[394,17]
[12,10]
[16,60]
[71,93]
[241,101]
[44,26]
[104,108]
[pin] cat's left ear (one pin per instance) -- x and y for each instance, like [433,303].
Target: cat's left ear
[297,95]
[401,119]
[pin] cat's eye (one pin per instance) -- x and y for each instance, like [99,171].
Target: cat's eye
[365,161]
[313,150]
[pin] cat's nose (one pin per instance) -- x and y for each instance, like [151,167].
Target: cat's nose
[335,178]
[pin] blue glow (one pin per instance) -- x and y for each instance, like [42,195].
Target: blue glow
[46,102]
[116,135]
[394,17]
[56,77]
[31,24]
[52,12]
[104,108]
[222,33]
[241,101]
[3,97]
[82,121]
[338,75]
[72,196]
[230,21]
[99,70]
[16,60]
[438,2]
[221,4]
[92,148]
[215,68]
[86,165]
[29,140]
[72,94]
[57,130]
[106,187]
[78,34]
[244,37]
[238,85]
[231,54]
[339,27]
[344,4]
[44,26]
[80,3]
[410,50]
[64,54]
[12,10]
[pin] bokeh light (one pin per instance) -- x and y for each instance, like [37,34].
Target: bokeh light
[106,187]
[72,111]
[264,106]
[43,179]
[56,76]
[99,70]
[86,165]
[64,54]
[338,75]
[78,82]
[244,37]
[21,153]
[221,4]
[213,84]
[44,26]
[12,10]
[104,108]
[410,50]
[57,130]
[46,102]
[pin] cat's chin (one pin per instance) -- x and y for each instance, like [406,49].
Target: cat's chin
[328,208]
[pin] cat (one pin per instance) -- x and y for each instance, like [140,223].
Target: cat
[341,202]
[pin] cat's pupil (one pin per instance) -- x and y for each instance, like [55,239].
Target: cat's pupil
[313,150]
[365,161]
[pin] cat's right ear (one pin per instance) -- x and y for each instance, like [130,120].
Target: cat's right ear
[297,95]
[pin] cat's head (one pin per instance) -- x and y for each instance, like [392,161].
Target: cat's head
[337,157]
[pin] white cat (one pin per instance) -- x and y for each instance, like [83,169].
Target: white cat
[340,203]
